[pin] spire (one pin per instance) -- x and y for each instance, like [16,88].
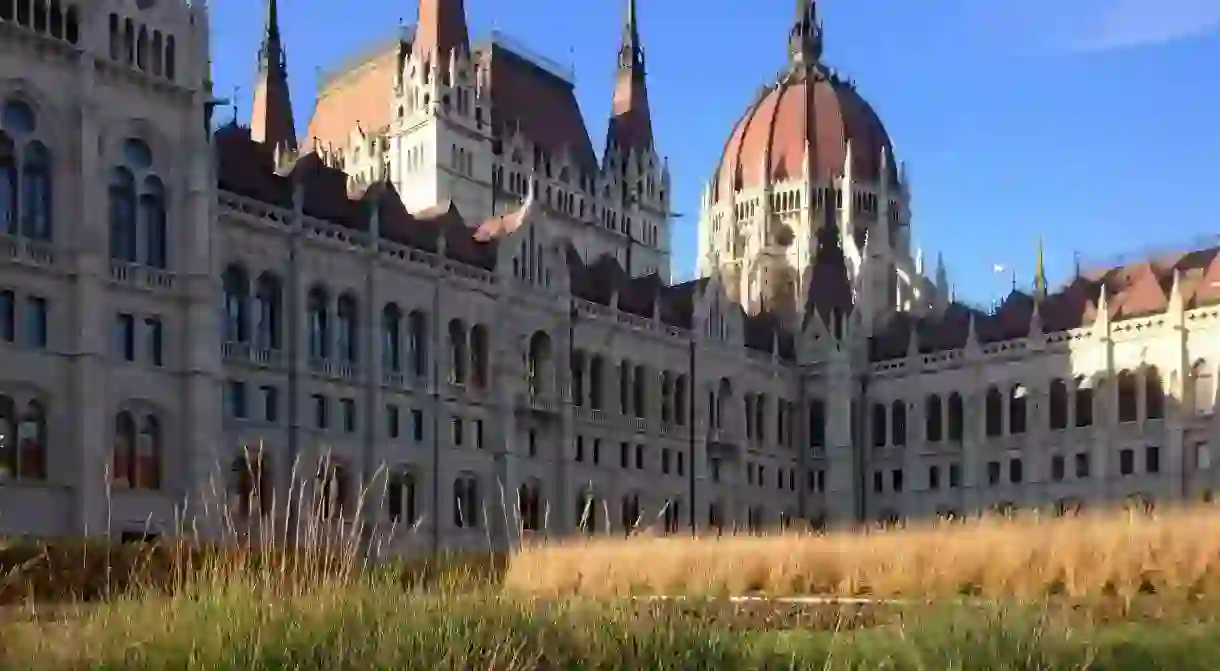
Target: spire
[441,32]
[805,37]
[271,115]
[1040,274]
[630,116]
[830,292]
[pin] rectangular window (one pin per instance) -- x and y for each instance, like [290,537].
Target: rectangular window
[715,468]
[36,322]
[626,455]
[455,431]
[237,399]
[993,472]
[1126,462]
[665,460]
[1082,465]
[639,457]
[392,428]
[321,412]
[878,482]
[1152,459]
[955,476]
[597,451]
[681,464]
[1016,471]
[749,473]
[821,480]
[532,437]
[349,415]
[478,434]
[934,477]
[1203,457]
[8,316]
[125,337]
[897,479]
[580,448]
[155,334]
[417,425]
[271,404]
[1058,468]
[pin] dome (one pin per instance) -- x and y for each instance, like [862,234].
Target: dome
[808,107]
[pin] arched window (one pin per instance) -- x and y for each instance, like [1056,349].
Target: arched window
[994,412]
[8,438]
[1154,394]
[348,336]
[680,400]
[624,387]
[597,366]
[8,186]
[148,455]
[933,419]
[1084,402]
[123,458]
[817,423]
[1203,384]
[577,366]
[32,443]
[391,338]
[36,192]
[639,390]
[318,306]
[1059,404]
[122,199]
[142,49]
[268,303]
[539,369]
[466,502]
[586,512]
[879,425]
[957,418]
[666,397]
[251,485]
[529,501]
[152,218]
[330,489]
[457,352]
[1128,406]
[236,295]
[402,498]
[1017,400]
[72,25]
[171,58]
[898,423]
[479,346]
[418,330]
[760,417]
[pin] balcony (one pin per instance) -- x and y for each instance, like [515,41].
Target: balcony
[143,277]
[539,402]
[26,251]
[641,425]
[593,415]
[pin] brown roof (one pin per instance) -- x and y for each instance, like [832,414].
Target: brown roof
[1132,291]
[808,108]
[360,96]
[441,29]
[630,118]
[829,293]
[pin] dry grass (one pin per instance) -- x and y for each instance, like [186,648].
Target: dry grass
[1174,555]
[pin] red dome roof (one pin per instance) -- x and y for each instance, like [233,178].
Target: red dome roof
[808,107]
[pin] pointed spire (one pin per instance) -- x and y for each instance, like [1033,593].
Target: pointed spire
[805,36]
[440,32]
[630,116]
[830,291]
[1040,274]
[271,116]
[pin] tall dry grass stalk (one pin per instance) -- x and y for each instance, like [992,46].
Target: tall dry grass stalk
[1175,554]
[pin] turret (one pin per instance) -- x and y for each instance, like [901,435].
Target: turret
[630,129]
[271,120]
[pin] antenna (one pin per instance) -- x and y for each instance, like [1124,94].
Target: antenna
[236,89]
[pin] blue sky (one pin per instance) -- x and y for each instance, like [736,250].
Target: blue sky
[1094,124]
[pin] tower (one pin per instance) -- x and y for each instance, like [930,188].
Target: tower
[271,120]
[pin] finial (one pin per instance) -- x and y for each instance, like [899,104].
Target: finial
[1040,286]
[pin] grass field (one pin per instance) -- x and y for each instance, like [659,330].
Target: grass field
[1113,591]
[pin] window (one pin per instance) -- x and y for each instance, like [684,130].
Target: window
[955,476]
[251,485]
[348,335]
[639,457]
[125,337]
[457,352]
[236,400]
[321,412]
[896,479]
[1016,471]
[1152,459]
[36,322]
[401,498]
[466,502]
[479,360]
[879,425]
[155,334]
[347,407]
[994,412]
[817,423]
[417,324]
[1154,394]
[1203,457]
[682,466]
[1082,465]
[26,212]
[417,425]
[137,454]
[478,434]
[1127,393]
[529,501]
[267,310]
[1018,397]
[271,404]
[1059,405]
[1203,387]
[625,451]
[235,299]
[330,488]
[319,324]
[898,423]
[455,431]
[878,482]
[1084,403]
[580,448]
[665,460]
[132,210]
[934,477]
[23,440]
[392,428]
[956,418]
[993,472]
[533,443]
[8,316]
[1057,468]
[1126,462]
[597,451]
[933,420]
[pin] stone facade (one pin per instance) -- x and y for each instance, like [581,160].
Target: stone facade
[185,314]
